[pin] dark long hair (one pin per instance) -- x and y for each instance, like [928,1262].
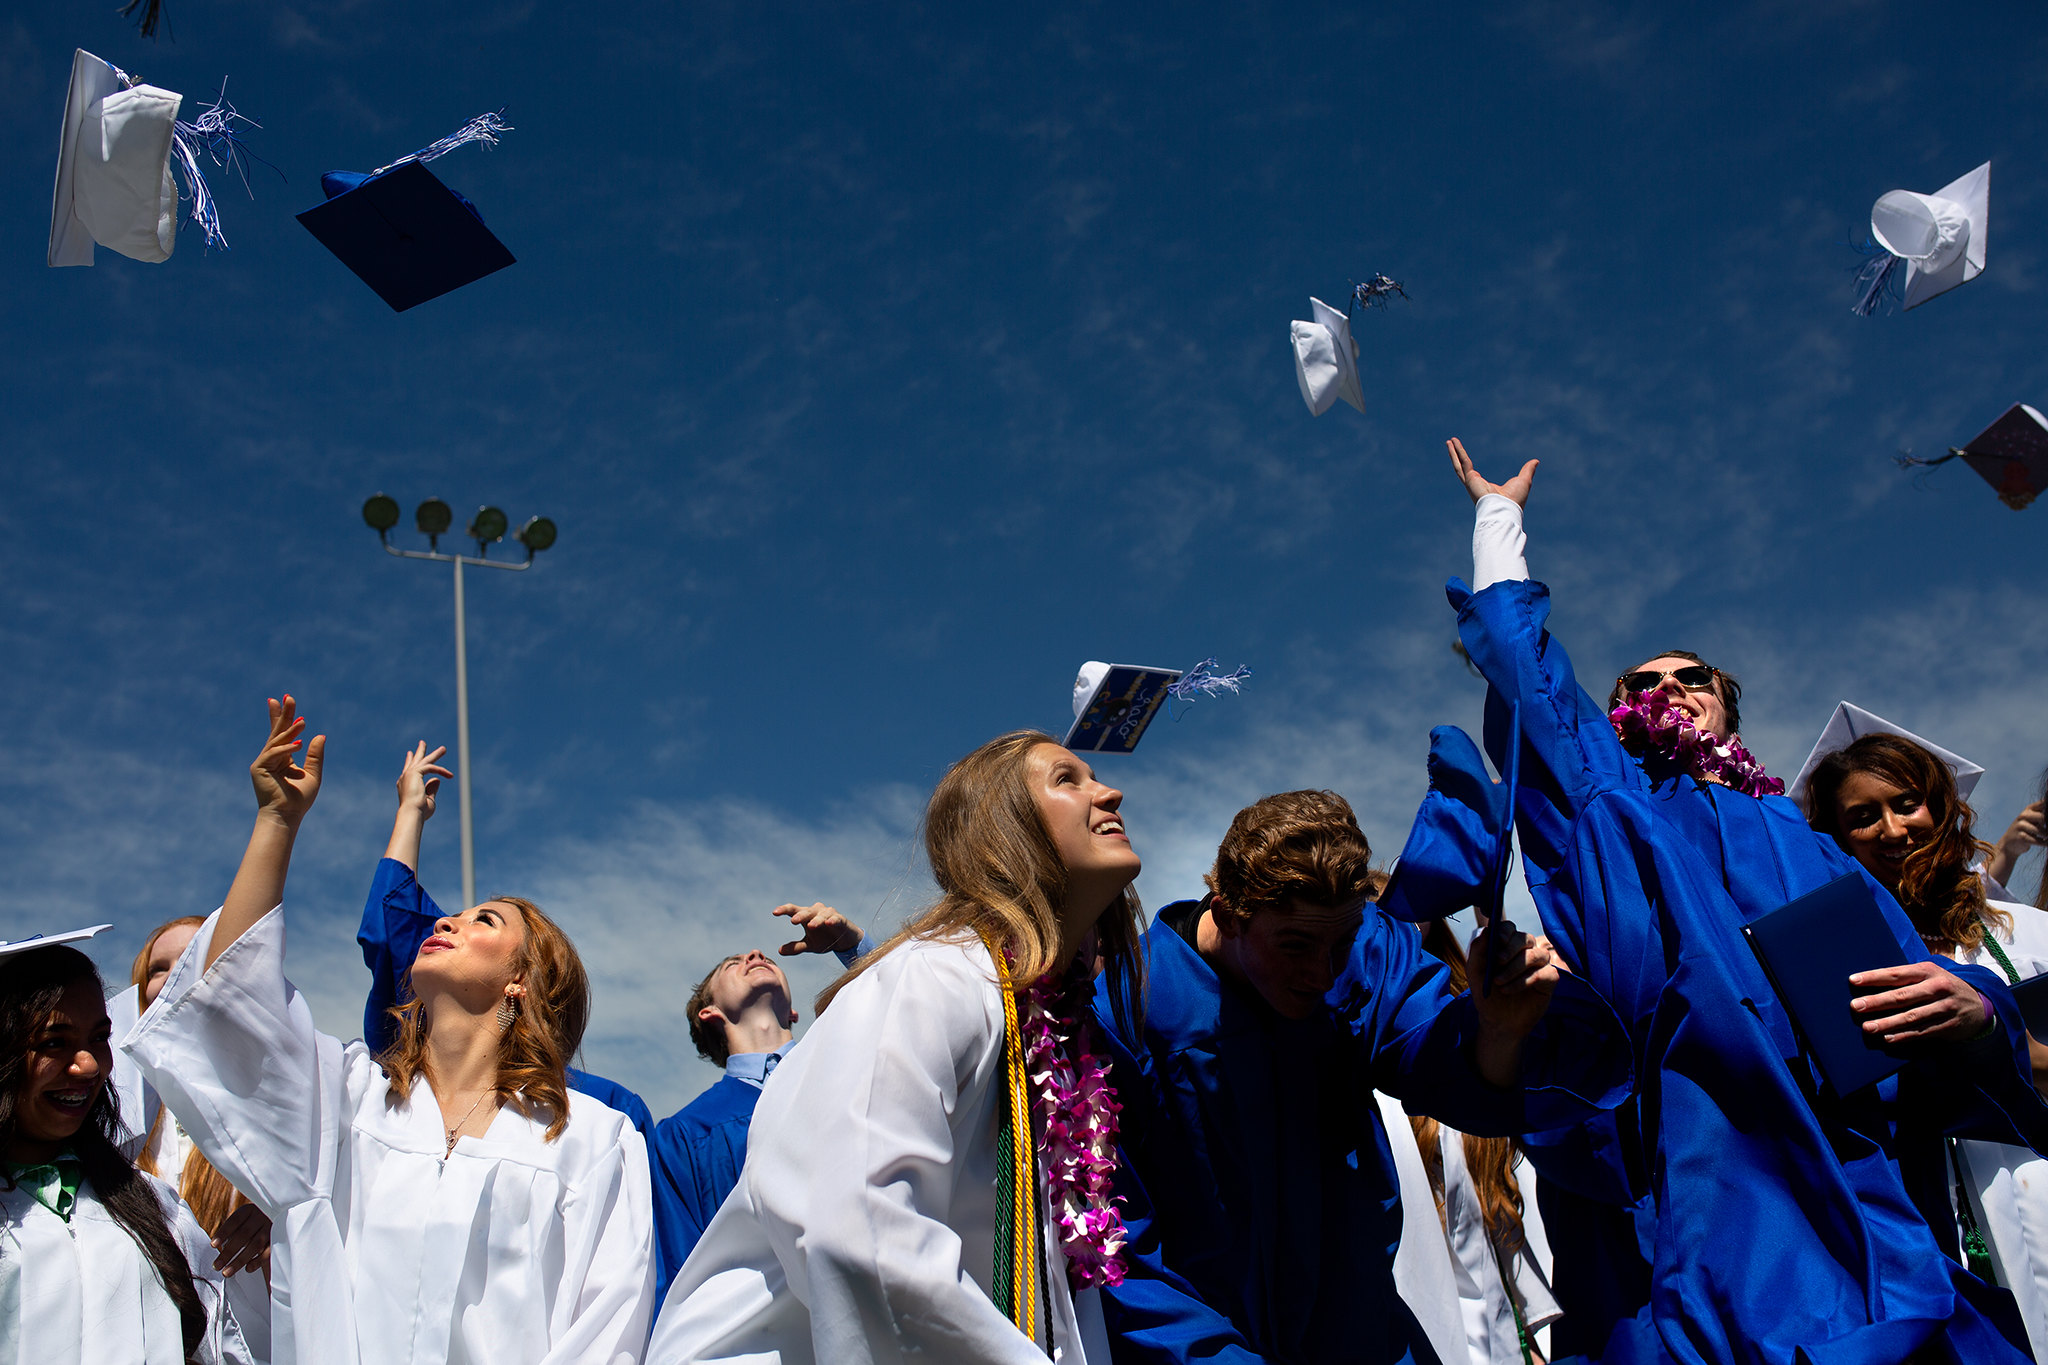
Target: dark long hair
[999,873]
[31,985]
[1937,889]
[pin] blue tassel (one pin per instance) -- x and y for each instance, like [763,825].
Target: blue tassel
[1877,280]
[1375,292]
[483,128]
[1203,680]
[213,135]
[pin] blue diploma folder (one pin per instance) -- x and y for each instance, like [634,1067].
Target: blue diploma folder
[2032,995]
[1809,948]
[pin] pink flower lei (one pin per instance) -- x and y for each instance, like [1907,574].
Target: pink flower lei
[1655,729]
[1076,1109]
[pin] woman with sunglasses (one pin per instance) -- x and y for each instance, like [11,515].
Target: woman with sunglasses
[1777,1218]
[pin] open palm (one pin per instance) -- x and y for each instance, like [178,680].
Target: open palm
[285,787]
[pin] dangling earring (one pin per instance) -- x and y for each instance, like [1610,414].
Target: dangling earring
[508,1012]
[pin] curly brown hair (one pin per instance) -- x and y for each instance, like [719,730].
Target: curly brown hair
[1301,845]
[533,1056]
[1726,686]
[1939,892]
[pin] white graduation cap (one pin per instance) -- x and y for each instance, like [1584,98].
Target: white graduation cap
[1113,703]
[114,183]
[1940,237]
[34,941]
[1851,723]
[1326,360]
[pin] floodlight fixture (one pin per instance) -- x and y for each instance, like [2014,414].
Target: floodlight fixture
[381,514]
[487,527]
[537,535]
[433,518]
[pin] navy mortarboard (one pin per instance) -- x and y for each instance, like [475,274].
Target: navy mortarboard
[1113,703]
[2011,455]
[404,233]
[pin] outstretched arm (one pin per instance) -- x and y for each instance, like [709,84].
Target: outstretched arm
[419,783]
[1497,538]
[285,791]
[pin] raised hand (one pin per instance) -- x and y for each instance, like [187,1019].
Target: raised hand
[1513,976]
[419,781]
[285,788]
[2029,829]
[825,930]
[1515,490]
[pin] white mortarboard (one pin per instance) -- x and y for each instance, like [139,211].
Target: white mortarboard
[114,182]
[34,941]
[1326,360]
[1940,237]
[1849,724]
[1113,703]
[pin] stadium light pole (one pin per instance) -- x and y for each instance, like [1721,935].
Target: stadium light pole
[486,528]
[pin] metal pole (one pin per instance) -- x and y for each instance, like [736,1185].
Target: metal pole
[462,745]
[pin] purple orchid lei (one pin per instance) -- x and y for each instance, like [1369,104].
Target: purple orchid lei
[1655,729]
[1077,1109]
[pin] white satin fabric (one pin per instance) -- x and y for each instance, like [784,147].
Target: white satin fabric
[863,1226]
[1487,1299]
[1424,1272]
[1326,360]
[114,183]
[81,1293]
[512,1250]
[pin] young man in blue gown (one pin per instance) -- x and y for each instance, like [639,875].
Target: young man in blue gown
[1261,1195]
[740,1019]
[1754,1214]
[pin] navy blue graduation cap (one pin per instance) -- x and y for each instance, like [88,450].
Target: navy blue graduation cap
[405,234]
[1462,842]
[1113,703]
[2011,455]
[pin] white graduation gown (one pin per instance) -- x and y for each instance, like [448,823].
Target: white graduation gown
[1489,1315]
[1424,1273]
[863,1225]
[82,1293]
[513,1250]
[2008,1186]
[248,1295]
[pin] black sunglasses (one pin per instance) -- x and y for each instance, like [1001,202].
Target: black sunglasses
[1693,678]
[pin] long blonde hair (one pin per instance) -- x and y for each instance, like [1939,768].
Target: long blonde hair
[205,1191]
[533,1056]
[999,874]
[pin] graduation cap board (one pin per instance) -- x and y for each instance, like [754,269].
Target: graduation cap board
[402,231]
[35,941]
[1113,703]
[2011,455]
[1326,360]
[1850,723]
[1939,239]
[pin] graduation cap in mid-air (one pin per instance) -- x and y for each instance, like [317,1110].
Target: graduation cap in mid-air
[2011,455]
[1326,356]
[121,142]
[35,941]
[1939,239]
[1113,703]
[404,233]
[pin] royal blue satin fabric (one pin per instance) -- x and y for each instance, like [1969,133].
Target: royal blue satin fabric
[1780,1225]
[1260,1191]
[697,1153]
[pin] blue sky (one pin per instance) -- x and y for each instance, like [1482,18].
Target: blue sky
[881,364]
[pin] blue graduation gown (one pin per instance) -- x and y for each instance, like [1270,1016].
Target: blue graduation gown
[697,1153]
[1780,1220]
[1259,1186]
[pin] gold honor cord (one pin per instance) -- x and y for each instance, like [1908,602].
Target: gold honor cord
[1019,1248]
